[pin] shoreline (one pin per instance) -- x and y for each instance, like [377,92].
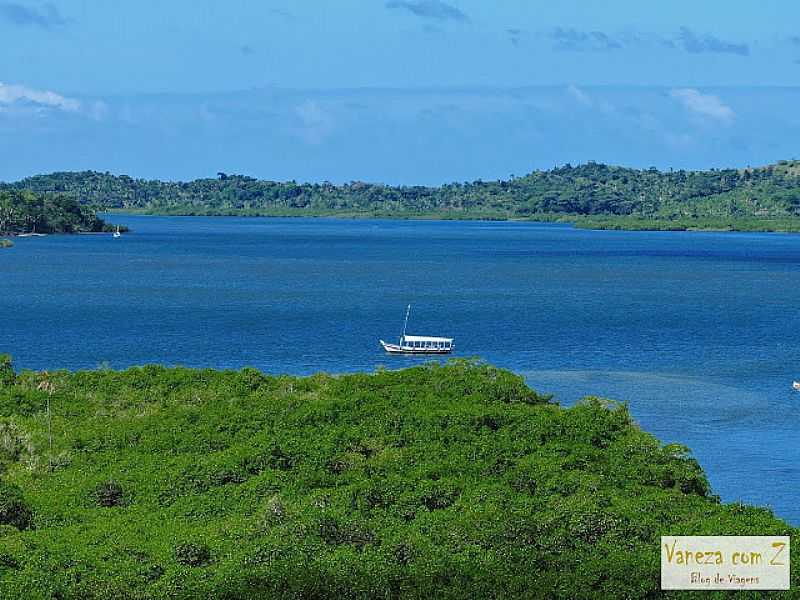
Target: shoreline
[599,223]
[36,235]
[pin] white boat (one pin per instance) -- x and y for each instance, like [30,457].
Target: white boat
[32,233]
[117,233]
[418,344]
[796,385]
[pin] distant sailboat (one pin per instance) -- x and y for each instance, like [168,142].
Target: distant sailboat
[796,385]
[117,233]
[418,344]
[32,233]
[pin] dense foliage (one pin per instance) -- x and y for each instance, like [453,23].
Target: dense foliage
[26,212]
[452,481]
[714,197]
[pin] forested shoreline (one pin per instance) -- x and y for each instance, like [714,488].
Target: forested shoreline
[438,481]
[592,195]
[24,212]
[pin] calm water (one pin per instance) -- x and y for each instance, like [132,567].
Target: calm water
[698,331]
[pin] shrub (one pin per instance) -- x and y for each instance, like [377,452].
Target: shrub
[15,442]
[13,509]
[524,483]
[8,562]
[336,533]
[7,375]
[151,573]
[192,554]
[439,496]
[252,378]
[109,494]
[499,385]
[274,513]
[403,554]
[278,459]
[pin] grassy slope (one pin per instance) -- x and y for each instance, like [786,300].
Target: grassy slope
[432,482]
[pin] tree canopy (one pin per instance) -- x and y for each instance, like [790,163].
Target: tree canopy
[26,211]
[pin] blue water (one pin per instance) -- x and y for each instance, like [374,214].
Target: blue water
[698,331]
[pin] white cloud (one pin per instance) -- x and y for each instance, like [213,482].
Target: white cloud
[706,105]
[11,94]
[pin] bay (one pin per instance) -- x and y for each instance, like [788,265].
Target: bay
[694,330]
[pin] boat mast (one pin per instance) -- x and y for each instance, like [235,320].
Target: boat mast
[403,337]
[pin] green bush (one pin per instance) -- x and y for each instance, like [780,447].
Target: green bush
[7,375]
[13,509]
[192,554]
[108,494]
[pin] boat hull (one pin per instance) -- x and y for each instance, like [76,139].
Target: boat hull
[395,349]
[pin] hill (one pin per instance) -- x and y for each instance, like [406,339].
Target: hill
[592,194]
[432,482]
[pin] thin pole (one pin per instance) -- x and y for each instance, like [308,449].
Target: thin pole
[49,434]
[403,337]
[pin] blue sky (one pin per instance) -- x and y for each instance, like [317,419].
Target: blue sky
[401,91]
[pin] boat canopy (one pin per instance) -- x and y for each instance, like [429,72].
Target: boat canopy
[419,344]
[425,338]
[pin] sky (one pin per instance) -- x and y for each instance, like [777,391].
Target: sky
[394,91]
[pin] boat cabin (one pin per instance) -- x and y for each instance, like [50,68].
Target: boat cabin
[421,343]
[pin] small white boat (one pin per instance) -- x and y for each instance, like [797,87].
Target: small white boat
[117,233]
[32,233]
[796,385]
[418,344]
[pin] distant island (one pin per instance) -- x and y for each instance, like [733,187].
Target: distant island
[438,481]
[591,195]
[25,212]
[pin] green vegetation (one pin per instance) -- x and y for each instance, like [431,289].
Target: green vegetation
[452,481]
[594,195]
[6,243]
[632,223]
[26,212]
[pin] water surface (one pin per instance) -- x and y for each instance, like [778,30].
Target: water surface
[695,330]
